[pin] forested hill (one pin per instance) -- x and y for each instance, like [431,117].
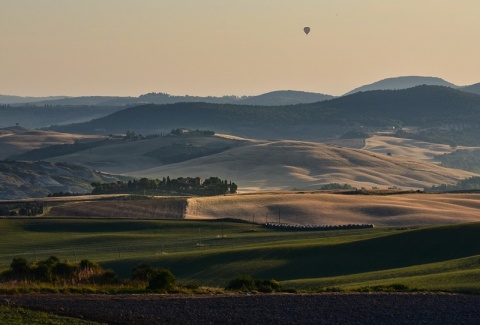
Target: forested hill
[403,83]
[422,106]
[280,97]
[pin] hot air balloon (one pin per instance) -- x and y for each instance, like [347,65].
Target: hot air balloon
[306,30]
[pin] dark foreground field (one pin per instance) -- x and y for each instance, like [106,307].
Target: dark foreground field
[331,308]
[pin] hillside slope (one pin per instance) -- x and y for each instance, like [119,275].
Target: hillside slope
[20,180]
[17,140]
[402,83]
[424,106]
[284,165]
[318,208]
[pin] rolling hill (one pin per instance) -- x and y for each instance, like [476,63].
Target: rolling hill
[284,165]
[402,83]
[258,164]
[38,179]
[475,88]
[423,106]
[17,140]
[413,81]
[280,97]
[38,116]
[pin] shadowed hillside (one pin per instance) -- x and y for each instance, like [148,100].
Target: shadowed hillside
[38,179]
[285,165]
[402,83]
[422,106]
[17,140]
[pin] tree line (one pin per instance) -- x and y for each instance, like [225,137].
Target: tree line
[468,184]
[22,209]
[183,185]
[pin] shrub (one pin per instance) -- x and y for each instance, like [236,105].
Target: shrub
[143,272]
[268,285]
[19,266]
[248,283]
[163,280]
[243,282]
[64,270]
[53,271]
[86,264]
[108,277]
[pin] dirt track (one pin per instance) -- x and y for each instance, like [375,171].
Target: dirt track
[370,308]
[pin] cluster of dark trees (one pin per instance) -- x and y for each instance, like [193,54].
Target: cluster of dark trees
[22,209]
[337,186]
[468,184]
[187,132]
[133,136]
[249,283]
[56,272]
[183,185]
[423,106]
[467,135]
[461,159]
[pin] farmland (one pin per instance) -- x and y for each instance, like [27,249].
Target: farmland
[211,252]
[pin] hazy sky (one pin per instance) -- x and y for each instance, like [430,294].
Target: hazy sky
[231,47]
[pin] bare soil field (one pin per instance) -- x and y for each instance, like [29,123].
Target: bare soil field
[410,148]
[160,208]
[294,207]
[330,308]
[319,208]
[17,140]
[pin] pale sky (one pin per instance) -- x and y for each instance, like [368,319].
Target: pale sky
[231,47]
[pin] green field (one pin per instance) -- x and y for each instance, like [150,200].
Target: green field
[213,252]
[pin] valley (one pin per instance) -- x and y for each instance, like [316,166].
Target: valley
[280,157]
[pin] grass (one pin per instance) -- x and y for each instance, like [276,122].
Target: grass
[445,258]
[16,315]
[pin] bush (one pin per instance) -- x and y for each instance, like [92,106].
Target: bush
[64,270]
[86,264]
[19,266]
[108,277]
[53,271]
[248,283]
[243,282]
[268,285]
[163,280]
[143,272]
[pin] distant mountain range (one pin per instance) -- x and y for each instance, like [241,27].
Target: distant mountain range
[412,81]
[274,98]
[421,106]
[283,97]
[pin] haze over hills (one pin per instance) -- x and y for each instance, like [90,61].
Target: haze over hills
[475,88]
[281,97]
[17,140]
[44,116]
[402,83]
[284,165]
[274,98]
[6,99]
[256,162]
[436,108]
[38,179]
[254,165]
[405,82]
